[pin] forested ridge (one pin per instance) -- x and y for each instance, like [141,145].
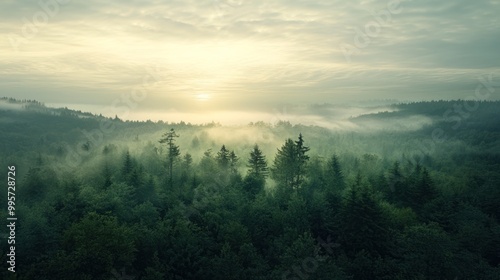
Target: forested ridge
[159,200]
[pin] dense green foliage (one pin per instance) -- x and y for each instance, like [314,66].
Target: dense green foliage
[140,201]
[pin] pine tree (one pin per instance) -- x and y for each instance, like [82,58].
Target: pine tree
[223,157]
[127,165]
[173,152]
[233,161]
[106,172]
[335,175]
[396,184]
[362,222]
[425,190]
[257,163]
[283,170]
[302,159]
[290,163]
[257,172]
[188,160]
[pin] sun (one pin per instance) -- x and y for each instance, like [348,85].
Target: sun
[202,96]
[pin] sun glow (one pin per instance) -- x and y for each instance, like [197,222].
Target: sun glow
[202,96]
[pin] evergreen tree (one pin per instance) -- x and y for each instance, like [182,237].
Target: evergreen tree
[290,163]
[173,152]
[223,157]
[195,143]
[301,161]
[127,165]
[106,173]
[38,181]
[425,190]
[187,161]
[427,253]
[257,163]
[252,185]
[146,191]
[397,191]
[283,170]
[208,168]
[335,176]
[207,153]
[233,161]
[257,172]
[96,244]
[362,223]
[135,177]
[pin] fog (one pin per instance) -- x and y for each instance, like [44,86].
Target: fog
[6,105]
[341,117]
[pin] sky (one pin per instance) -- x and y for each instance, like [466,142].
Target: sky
[232,60]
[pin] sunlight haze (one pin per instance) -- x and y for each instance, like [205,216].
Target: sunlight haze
[247,56]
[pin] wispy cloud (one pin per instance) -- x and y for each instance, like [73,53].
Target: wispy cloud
[246,54]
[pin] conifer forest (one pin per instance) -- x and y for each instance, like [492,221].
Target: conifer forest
[412,192]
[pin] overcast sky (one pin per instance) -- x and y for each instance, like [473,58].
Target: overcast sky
[182,57]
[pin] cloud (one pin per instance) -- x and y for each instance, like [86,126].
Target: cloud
[249,55]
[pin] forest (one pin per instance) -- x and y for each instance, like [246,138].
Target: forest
[412,192]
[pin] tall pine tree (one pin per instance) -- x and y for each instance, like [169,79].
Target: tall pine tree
[233,161]
[223,157]
[335,176]
[257,163]
[257,172]
[173,152]
[301,160]
[290,163]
